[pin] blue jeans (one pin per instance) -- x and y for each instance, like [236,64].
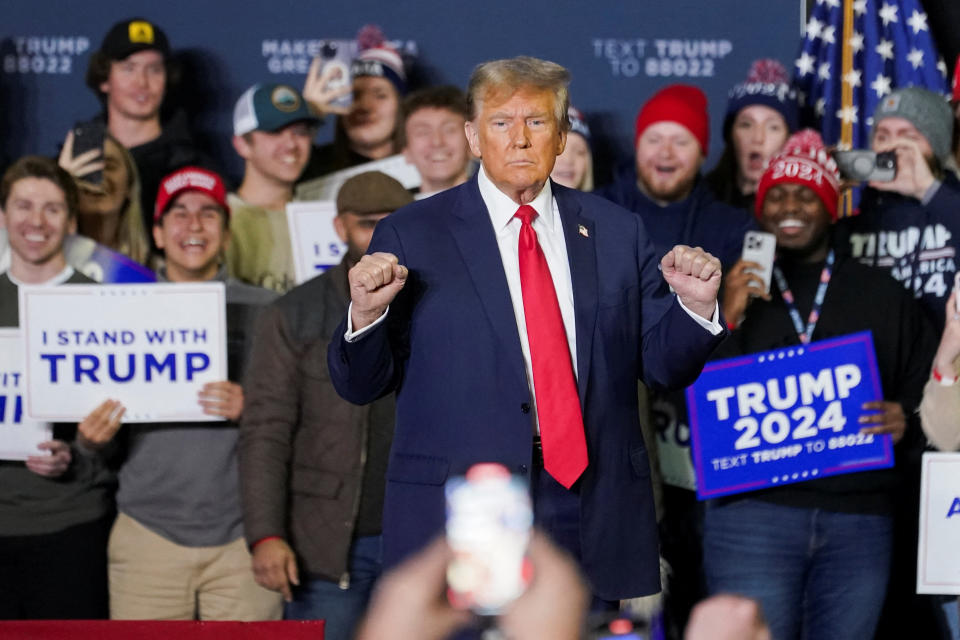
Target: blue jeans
[953,619]
[817,574]
[341,609]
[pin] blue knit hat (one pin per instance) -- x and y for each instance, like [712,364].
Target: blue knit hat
[767,84]
[378,59]
[578,124]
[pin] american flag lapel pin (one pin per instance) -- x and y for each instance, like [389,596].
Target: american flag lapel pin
[583,231]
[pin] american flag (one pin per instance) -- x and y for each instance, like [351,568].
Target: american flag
[854,53]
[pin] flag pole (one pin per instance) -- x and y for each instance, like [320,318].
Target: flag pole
[846,99]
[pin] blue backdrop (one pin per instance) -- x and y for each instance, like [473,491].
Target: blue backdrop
[619,53]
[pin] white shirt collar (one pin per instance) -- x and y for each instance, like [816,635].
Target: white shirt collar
[502,207]
[60,278]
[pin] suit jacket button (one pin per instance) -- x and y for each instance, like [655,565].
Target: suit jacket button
[525,407]
[523,468]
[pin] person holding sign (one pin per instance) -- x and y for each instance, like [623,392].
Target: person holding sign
[272,131]
[817,554]
[940,407]
[312,465]
[176,550]
[55,510]
[521,315]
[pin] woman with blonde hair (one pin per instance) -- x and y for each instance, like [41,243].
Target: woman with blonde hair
[108,212]
[574,167]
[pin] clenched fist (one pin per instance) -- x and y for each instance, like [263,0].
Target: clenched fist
[374,282]
[695,275]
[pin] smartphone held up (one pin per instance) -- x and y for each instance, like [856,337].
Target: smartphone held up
[760,247]
[86,137]
[335,61]
[862,165]
[489,517]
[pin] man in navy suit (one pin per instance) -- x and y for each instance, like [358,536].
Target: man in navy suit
[443,311]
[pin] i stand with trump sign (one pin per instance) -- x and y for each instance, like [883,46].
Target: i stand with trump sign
[785,416]
[315,244]
[152,347]
[19,436]
[938,556]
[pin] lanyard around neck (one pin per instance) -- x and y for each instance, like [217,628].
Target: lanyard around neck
[805,334]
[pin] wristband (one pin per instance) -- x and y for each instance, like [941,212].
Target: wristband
[254,545]
[946,381]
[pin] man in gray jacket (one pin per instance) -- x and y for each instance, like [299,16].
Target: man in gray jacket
[177,548]
[312,465]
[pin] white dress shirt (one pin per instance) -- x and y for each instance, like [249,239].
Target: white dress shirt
[547,224]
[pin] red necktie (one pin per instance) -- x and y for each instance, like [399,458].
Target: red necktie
[558,405]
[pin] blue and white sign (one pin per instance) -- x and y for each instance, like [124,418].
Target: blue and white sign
[785,416]
[19,436]
[152,347]
[938,560]
[315,243]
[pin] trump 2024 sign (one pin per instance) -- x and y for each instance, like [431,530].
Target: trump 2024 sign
[785,416]
[152,347]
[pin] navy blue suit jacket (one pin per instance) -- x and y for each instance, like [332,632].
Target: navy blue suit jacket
[451,350]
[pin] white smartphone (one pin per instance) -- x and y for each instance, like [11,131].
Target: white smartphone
[760,247]
[338,56]
[489,516]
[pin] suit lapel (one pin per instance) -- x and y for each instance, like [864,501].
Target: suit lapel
[579,233]
[477,242]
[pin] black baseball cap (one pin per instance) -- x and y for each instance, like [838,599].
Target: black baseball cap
[132,36]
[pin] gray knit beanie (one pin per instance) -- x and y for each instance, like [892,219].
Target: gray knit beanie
[926,110]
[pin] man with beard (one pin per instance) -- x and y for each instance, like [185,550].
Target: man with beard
[677,207]
[671,140]
[312,465]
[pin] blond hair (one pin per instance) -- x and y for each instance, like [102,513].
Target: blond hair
[516,73]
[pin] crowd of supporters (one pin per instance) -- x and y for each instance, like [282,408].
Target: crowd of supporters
[276,511]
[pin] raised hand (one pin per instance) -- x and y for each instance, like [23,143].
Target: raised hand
[374,282]
[84,164]
[318,93]
[695,276]
[739,285]
[913,176]
[949,349]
